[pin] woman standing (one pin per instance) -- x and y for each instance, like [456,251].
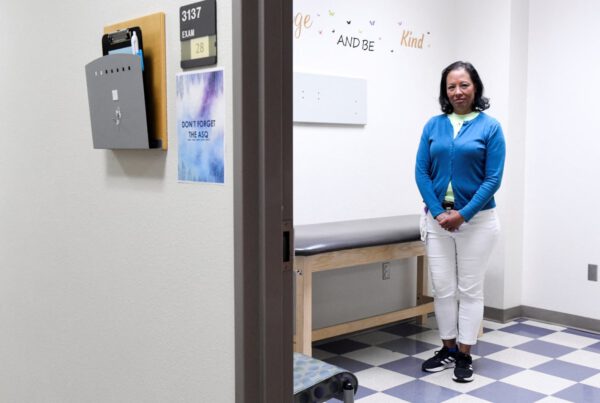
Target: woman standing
[459,167]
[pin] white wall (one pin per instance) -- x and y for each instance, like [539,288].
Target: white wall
[538,63]
[346,172]
[512,198]
[561,220]
[493,36]
[116,282]
[350,172]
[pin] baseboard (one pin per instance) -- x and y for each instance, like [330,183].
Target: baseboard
[543,315]
[502,315]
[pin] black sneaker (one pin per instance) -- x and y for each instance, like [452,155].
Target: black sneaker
[442,360]
[463,371]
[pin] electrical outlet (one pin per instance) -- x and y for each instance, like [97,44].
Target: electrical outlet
[386,271]
[592,272]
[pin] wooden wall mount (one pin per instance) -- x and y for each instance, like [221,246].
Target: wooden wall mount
[154,47]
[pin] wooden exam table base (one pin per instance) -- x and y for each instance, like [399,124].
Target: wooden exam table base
[305,266]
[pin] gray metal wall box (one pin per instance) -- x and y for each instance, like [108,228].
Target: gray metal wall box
[117,102]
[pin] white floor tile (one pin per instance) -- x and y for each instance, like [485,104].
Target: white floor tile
[552,399]
[444,379]
[466,399]
[518,358]
[380,379]
[504,338]
[496,325]
[581,357]
[569,340]
[374,338]
[538,382]
[375,355]
[380,398]
[592,381]
[431,323]
[544,325]
[425,355]
[431,337]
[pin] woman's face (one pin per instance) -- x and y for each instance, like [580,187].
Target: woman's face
[460,90]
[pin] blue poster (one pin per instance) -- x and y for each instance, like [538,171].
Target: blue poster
[200,126]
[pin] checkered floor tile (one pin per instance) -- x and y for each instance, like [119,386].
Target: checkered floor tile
[519,361]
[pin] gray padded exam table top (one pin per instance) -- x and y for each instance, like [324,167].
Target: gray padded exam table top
[313,239]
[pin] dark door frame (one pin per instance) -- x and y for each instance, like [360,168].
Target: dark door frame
[263,211]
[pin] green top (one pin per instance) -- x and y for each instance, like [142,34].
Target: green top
[457,122]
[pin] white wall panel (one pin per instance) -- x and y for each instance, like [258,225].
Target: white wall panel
[116,281]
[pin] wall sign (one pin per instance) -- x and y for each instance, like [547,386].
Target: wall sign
[200,109]
[198,34]
[358,31]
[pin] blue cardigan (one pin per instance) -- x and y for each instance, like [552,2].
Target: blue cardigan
[473,161]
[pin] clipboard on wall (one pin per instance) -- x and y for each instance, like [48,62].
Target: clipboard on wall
[127,41]
[152,28]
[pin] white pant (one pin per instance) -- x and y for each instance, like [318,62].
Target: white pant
[457,263]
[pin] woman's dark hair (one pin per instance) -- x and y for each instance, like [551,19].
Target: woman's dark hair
[480,103]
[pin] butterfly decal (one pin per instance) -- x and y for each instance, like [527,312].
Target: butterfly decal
[372,22]
[348,22]
[331,13]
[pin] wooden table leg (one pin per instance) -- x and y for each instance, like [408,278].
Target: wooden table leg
[298,307]
[421,286]
[303,342]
